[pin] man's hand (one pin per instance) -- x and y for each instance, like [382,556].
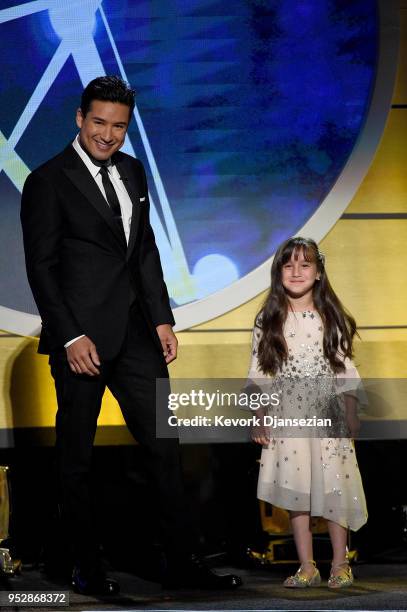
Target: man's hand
[82,357]
[169,342]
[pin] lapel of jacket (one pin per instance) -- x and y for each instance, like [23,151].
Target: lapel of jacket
[80,176]
[129,181]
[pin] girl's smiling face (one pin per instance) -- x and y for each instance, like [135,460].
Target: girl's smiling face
[298,274]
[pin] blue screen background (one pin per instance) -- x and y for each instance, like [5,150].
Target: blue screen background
[251,108]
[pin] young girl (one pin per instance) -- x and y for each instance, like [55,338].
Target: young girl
[303,333]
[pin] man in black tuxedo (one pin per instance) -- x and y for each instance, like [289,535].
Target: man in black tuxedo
[95,273]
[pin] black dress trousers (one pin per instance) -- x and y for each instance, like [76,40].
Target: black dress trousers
[131,377]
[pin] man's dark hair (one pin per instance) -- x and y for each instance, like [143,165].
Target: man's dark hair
[108,89]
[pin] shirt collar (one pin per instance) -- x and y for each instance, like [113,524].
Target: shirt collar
[91,166]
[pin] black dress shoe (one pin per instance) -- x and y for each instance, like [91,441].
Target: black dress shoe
[93,584]
[195,574]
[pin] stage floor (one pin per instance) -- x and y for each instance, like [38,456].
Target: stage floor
[377,587]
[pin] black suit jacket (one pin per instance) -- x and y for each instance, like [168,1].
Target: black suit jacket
[82,273]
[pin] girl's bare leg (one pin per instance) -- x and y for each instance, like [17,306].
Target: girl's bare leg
[339,536]
[300,523]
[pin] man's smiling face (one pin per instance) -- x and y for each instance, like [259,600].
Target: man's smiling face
[103,128]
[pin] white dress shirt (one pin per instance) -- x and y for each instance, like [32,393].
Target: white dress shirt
[126,205]
[125,202]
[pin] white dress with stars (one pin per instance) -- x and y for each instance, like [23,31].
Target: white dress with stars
[312,474]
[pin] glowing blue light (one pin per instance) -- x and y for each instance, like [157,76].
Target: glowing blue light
[74,20]
[213,272]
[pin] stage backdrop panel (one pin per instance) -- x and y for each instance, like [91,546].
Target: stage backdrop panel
[355,246]
[254,121]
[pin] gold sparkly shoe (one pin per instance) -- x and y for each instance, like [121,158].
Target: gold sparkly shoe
[342,580]
[300,580]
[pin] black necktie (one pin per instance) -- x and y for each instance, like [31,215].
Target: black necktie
[111,196]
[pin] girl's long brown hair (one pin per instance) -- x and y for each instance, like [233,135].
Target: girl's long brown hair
[339,325]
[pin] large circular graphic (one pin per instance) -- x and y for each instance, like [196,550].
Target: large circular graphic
[255,121]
